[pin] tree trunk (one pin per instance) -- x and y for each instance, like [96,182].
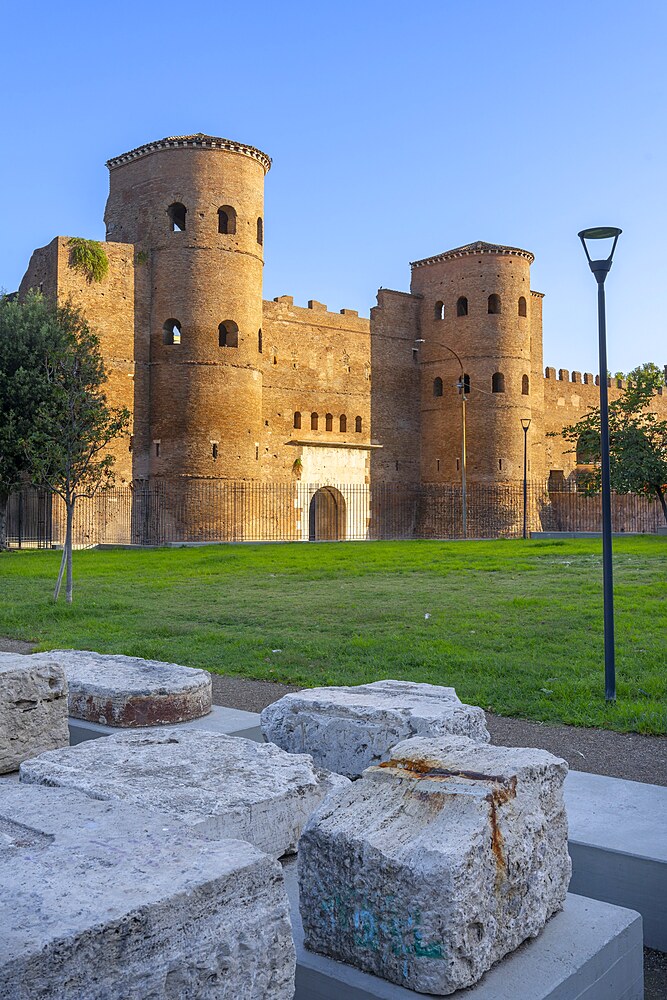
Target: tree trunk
[4,502]
[60,573]
[661,498]
[68,547]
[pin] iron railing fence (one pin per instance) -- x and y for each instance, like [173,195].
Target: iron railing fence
[238,511]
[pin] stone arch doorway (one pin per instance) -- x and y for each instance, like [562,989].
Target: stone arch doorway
[326,516]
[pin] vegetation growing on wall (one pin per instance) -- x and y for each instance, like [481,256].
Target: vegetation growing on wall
[89,257]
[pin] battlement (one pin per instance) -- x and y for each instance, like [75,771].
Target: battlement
[284,304]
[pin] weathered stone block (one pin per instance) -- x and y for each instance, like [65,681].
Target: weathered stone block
[438,863]
[101,901]
[222,785]
[347,729]
[116,690]
[33,709]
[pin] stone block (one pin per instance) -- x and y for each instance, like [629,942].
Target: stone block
[222,785]
[117,690]
[438,863]
[347,729]
[113,903]
[33,709]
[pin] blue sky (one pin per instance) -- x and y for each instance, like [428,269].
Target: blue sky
[397,131]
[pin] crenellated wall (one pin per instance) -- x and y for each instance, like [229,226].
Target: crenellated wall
[298,395]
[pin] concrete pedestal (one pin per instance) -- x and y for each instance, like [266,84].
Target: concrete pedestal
[589,950]
[618,845]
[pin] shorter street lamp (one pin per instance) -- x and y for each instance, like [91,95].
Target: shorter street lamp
[461,386]
[600,269]
[525,423]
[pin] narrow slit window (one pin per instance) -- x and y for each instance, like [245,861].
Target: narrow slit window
[260,231]
[328,422]
[259,341]
[297,420]
[357,425]
[214,449]
[342,423]
[439,310]
[522,306]
[314,421]
[437,386]
[525,385]
[177,213]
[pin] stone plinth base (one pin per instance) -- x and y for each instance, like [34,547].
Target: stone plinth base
[590,949]
[347,729]
[117,690]
[33,709]
[100,900]
[219,785]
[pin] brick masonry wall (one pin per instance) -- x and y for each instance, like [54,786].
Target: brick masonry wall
[487,344]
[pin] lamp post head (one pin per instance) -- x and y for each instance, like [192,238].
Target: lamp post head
[525,423]
[600,268]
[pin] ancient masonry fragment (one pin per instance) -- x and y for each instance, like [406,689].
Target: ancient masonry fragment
[346,729]
[112,902]
[33,709]
[119,690]
[437,863]
[223,786]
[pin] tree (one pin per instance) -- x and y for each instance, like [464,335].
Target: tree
[637,439]
[29,330]
[74,425]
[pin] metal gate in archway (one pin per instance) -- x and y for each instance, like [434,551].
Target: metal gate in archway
[326,516]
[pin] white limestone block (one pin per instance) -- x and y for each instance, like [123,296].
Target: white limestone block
[33,709]
[100,901]
[224,785]
[437,863]
[347,729]
[116,690]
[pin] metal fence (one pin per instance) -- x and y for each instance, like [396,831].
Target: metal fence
[228,511]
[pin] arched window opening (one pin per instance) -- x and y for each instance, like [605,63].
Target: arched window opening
[522,306]
[437,386]
[297,420]
[177,213]
[314,421]
[439,311]
[228,334]
[260,231]
[227,220]
[525,385]
[259,340]
[462,306]
[342,423]
[357,425]
[497,382]
[328,422]
[171,332]
[494,304]
[464,384]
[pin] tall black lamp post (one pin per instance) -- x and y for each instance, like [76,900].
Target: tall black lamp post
[600,269]
[525,423]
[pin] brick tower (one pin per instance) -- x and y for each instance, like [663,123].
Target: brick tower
[476,301]
[193,208]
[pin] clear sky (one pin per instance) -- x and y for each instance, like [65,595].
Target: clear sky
[397,130]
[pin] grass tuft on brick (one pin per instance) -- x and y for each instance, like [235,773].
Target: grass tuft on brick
[515,626]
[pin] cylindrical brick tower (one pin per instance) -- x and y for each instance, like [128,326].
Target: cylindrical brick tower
[194,207]
[476,302]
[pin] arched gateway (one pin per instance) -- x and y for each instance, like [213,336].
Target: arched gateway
[326,516]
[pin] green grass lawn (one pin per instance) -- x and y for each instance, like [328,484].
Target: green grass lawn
[515,626]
